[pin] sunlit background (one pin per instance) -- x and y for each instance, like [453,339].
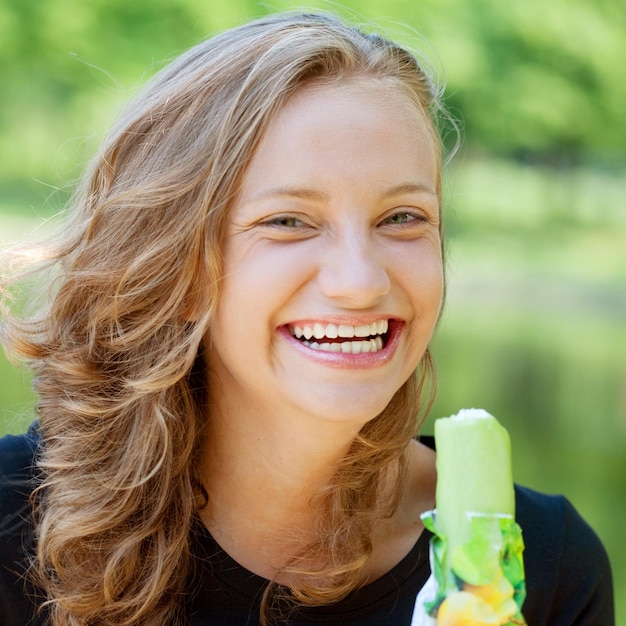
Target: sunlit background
[534,325]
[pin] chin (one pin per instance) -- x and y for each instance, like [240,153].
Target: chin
[347,411]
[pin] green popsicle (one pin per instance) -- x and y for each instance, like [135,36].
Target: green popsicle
[477,546]
[474,472]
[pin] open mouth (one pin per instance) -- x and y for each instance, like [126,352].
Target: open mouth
[343,337]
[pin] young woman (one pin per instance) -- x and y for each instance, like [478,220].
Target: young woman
[233,361]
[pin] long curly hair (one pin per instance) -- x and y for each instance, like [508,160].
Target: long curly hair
[118,359]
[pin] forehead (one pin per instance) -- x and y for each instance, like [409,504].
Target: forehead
[342,129]
[344,140]
[395,100]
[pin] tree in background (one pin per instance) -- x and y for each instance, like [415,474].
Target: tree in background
[538,81]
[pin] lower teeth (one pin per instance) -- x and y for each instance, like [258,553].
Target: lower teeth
[348,347]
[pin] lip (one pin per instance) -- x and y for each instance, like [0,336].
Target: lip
[344,360]
[349,321]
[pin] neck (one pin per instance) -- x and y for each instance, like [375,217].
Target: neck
[261,473]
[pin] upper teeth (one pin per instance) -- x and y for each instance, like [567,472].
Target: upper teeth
[332,331]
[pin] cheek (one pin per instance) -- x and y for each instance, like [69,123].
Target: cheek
[254,288]
[420,271]
[267,277]
[437,278]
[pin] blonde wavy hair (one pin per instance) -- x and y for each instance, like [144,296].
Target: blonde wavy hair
[119,366]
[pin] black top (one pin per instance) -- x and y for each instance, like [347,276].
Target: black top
[568,576]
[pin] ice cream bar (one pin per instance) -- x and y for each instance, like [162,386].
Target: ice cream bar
[476,551]
[473,471]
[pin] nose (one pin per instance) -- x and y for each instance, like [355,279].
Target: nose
[352,272]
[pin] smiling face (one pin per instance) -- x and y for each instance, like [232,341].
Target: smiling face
[332,261]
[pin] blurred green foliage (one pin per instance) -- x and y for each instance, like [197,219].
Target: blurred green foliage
[539,81]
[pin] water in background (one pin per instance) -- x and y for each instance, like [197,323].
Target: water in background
[534,332]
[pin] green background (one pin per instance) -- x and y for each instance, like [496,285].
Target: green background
[534,324]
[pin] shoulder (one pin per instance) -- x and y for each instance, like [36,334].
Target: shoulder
[568,575]
[17,462]
[17,472]
[17,476]
[17,451]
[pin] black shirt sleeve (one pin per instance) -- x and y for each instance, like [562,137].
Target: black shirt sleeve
[568,576]
[18,597]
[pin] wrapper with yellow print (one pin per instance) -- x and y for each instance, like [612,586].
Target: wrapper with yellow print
[476,552]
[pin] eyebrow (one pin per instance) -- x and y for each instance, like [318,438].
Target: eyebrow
[291,192]
[406,188]
[320,196]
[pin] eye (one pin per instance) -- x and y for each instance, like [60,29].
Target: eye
[285,221]
[402,217]
[286,227]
